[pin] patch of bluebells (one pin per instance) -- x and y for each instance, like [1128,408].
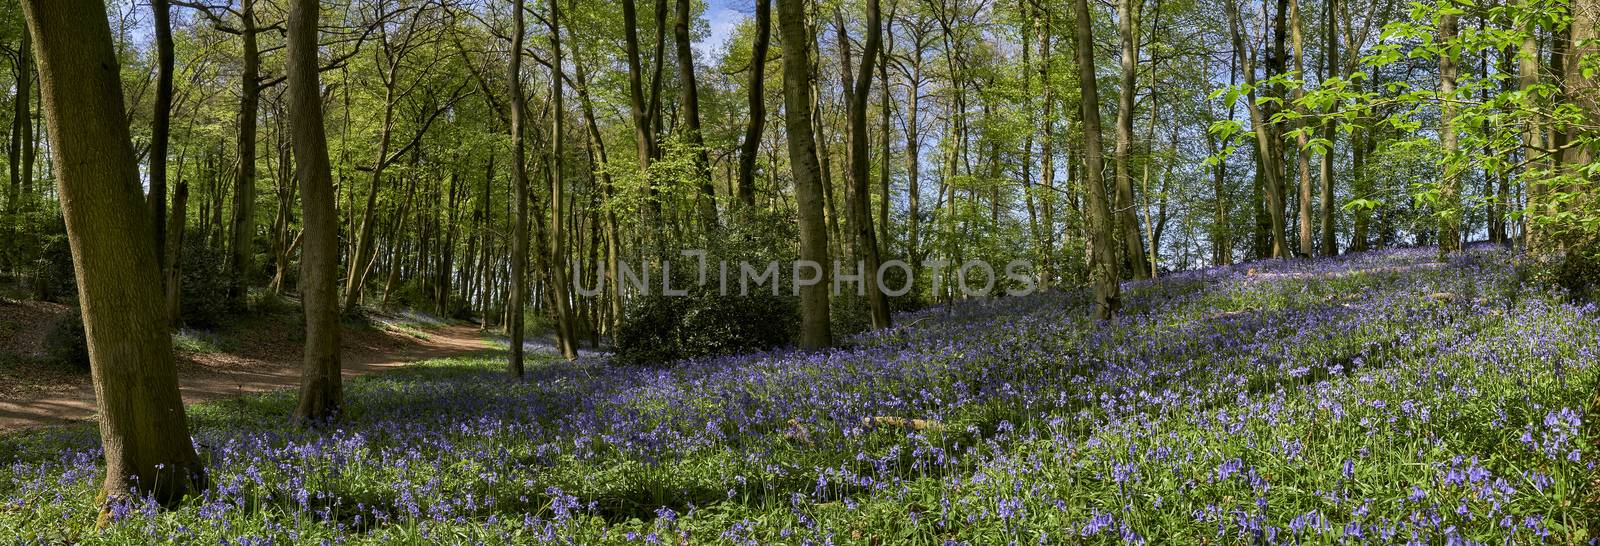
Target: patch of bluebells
[1375,398]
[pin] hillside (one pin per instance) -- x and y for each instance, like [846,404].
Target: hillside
[1379,397]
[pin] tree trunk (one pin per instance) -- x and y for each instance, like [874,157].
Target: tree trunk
[1127,220]
[1102,252]
[856,92]
[519,184]
[1450,191]
[1584,91]
[814,321]
[1533,135]
[558,235]
[176,223]
[321,385]
[757,102]
[160,124]
[143,429]
[1047,176]
[689,92]
[244,179]
[643,135]
[1302,154]
[1330,244]
[1269,160]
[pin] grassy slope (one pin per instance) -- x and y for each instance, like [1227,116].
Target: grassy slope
[1376,396]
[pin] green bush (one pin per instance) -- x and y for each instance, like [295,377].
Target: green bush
[204,297]
[1579,273]
[65,343]
[660,329]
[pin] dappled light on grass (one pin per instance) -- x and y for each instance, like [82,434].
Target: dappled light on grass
[1378,398]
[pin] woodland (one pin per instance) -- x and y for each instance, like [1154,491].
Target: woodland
[1253,271]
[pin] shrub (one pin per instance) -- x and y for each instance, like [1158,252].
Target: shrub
[1579,273]
[204,297]
[65,343]
[660,329]
[267,303]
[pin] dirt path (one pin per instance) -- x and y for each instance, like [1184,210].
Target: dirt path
[209,376]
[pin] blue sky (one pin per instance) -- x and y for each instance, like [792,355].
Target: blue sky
[723,16]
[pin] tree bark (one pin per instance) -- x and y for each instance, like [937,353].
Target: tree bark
[1269,160]
[814,321]
[143,428]
[1302,154]
[1450,191]
[689,93]
[1584,91]
[857,90]
[643,132]
[1102,250]
[1330,244]
[176,223]
[244,179]
[751,148]
[519,184]
[321,384]
[1128,221]
[160,124]
[559,268]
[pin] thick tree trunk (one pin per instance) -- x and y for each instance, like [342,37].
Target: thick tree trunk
[321,385]
[814,319]
[1584,91]
[244,179]
[143,429]
[1102,249]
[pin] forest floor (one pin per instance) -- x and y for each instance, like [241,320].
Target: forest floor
[1385,397]
[254,354]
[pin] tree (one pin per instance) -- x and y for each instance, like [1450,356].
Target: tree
[558,276]
[1102,249]
[1269,162]
[321,385]
[1583,88]
[1330,56]
[160,126]
[1450,186]
[689,91]
[797,101]
[143,429]
[856,93]
[519,183]
[1127,221]
[1302,142]
[757,99]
